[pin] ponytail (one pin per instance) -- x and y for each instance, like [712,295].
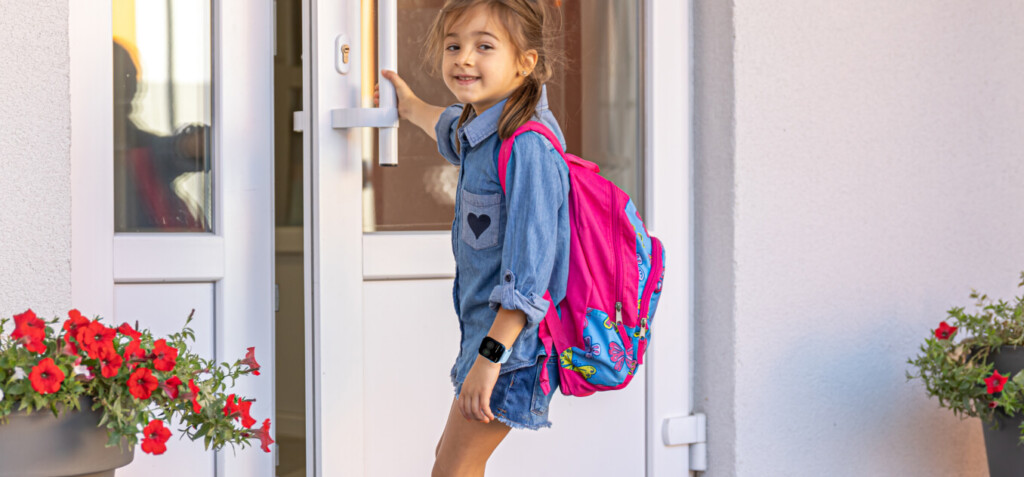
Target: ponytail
[520,107]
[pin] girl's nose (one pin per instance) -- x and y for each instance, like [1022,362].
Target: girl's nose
[465,58]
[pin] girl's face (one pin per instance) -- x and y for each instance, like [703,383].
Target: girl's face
[480,65]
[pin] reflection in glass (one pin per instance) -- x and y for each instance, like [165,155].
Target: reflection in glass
[162,116]
[596,98]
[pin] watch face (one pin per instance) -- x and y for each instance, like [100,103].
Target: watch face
[491,349]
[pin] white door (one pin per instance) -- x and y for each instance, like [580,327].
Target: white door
[383,330]
[173,177]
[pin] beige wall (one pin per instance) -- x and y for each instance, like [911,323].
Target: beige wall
[859,169]
[35,158]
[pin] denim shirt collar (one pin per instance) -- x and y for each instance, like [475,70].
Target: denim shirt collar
[478,128]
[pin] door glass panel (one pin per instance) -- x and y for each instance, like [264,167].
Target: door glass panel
[596,97]
[162,115]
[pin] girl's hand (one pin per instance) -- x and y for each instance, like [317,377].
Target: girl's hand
[475,398]
[410,106]
[406,98]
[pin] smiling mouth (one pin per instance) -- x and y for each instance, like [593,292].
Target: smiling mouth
[465,80]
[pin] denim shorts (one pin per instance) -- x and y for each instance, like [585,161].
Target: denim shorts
[517,399]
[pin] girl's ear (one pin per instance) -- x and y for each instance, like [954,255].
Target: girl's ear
[528,61]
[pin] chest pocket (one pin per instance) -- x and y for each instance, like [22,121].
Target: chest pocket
[480,219]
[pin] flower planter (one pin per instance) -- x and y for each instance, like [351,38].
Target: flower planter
[70,445]
[1005,455]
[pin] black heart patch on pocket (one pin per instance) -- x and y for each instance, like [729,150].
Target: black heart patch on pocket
[478,223]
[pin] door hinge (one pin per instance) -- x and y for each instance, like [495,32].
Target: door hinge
[689,430]
[298,121]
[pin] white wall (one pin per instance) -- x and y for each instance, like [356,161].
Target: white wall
[35,160]
[859,169]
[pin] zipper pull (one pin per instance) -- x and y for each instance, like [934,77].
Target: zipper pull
[618,313]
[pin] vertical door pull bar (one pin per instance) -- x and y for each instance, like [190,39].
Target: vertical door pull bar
[385,116]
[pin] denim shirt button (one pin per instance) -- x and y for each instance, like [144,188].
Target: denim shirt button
[508,277]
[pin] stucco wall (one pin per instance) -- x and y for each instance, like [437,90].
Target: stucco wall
[35,157]
[877,175]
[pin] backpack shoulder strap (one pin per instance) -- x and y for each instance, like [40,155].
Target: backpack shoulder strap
[505,152]
[506,146]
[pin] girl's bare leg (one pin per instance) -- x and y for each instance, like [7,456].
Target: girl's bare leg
[465,446]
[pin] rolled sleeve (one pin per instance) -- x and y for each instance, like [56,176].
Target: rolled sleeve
[445,131]
[536,182]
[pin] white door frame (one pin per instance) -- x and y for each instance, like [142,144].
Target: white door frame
[340,254]
[233,257]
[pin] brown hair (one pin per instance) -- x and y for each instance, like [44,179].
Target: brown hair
[531,25]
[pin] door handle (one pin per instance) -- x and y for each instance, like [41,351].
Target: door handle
[385,116]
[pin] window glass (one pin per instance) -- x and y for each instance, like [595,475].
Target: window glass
[596,98]
[162,115]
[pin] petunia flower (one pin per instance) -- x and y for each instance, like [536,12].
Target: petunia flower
[250,360]
[80,369]
[992,404]
[73,327]
[230,406]
[155,437]
[19,373]
[134,354]
[995,382]
[127,330]
[142,383]
[945,331]
[33,344]
[96,337]
[27,324]
[195,396]
[164,357]
[46,377]
[170,386]
[264,435]
[247,420]
[30,331]
[110,362]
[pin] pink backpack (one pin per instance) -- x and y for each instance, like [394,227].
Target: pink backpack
[602,328]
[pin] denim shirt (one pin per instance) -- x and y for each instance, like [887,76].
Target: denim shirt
[508,250]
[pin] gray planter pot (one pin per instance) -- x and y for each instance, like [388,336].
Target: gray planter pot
[1005,456]
[40,445]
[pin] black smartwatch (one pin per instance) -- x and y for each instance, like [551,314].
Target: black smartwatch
[491,349]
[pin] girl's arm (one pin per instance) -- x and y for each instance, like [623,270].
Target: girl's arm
[410,106]
[474,401]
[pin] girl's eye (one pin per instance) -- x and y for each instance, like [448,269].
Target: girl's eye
[486,47]
[452,47]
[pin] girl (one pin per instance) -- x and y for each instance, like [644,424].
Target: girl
[511,248]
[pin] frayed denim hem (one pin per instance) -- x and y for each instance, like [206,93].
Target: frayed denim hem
[517,425]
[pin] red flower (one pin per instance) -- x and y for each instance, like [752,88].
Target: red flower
[127,330]
[944,331]
[992,404]
[195,396]
[46,377]
[995,382]
[134,354]
[27,324]
[230,407]
[96,337]
[171,386]
[142,383]
[110,362]
[247,420]
[30,330]
[73,327]
[264,435]
[155,437]
[164,357]
[250,359]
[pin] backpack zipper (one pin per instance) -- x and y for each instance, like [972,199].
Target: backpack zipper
[618,258]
